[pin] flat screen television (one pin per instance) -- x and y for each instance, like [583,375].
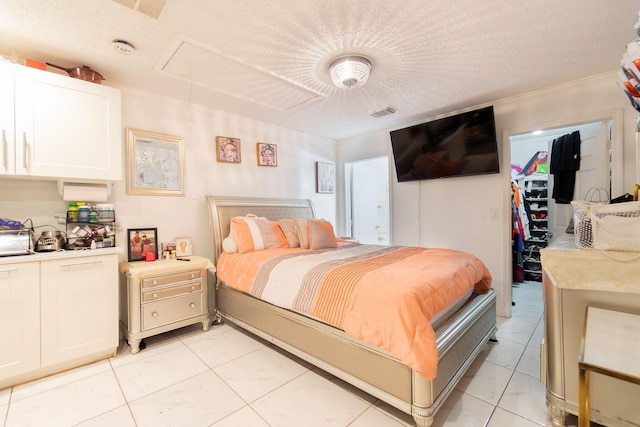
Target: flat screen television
[459,145]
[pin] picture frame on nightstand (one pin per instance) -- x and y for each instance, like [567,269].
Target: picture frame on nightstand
[184,247]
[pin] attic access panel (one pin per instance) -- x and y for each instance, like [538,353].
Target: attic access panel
[204,66]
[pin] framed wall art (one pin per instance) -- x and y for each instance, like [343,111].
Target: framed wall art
[228,149]
[140,242]
[267,154]
[325,177]
[155,164]
[184,246]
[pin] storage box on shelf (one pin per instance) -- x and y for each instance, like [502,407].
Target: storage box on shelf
[536,193]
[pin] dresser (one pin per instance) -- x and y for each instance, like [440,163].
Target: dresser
[162,295]
[572,280]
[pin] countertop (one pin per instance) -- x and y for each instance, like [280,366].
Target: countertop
[45,256]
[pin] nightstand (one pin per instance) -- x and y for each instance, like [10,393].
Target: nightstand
[162,295]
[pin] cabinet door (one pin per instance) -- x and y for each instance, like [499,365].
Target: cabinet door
[65,127]
[7,154]
[79,307]
[19,318]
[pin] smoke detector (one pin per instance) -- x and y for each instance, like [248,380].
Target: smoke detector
[383,112]
[123,46]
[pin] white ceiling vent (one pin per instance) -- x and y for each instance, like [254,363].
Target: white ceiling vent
[383,112]
[152,8]
[207,67]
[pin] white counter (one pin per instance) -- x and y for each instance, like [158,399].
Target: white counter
[44,256]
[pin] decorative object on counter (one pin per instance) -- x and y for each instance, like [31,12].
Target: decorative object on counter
[267,154]
[228,149]
[168,250]
[140,242]
[184,246]
[155,164]
[325,178]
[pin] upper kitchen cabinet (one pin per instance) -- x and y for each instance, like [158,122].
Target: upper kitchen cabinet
[62,128]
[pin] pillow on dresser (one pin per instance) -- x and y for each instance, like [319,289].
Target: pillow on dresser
[253,233]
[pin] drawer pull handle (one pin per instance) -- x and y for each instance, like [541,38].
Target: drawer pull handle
[154,314]
[193,275]
[154,295]
[155,282]
[192,305]
[193,288]
[79,264]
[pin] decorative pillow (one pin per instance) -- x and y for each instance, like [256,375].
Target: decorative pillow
[280,237]
[288,227]
[302,228]
[321,234]
[229,244]
[253,233]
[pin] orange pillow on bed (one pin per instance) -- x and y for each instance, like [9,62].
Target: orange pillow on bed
[280,237]
[253,233]
[288,227]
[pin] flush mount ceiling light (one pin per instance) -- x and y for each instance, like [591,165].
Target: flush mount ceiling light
[350,71]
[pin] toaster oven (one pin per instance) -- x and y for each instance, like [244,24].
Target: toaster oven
[16,242]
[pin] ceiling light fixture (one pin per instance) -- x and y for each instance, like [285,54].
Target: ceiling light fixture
[351,71]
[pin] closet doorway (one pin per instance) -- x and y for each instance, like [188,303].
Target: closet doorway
[595,171]
[367,200]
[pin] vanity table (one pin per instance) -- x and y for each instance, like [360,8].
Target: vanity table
[572,280]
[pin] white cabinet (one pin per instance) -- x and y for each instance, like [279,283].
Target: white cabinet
[62,127]
[79,307]
[57,313]
[19,318]
[7,152]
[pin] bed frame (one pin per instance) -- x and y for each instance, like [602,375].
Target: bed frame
[369,368]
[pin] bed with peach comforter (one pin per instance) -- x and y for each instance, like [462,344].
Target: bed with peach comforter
[361,312]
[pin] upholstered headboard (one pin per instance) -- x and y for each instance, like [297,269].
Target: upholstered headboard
[223,208]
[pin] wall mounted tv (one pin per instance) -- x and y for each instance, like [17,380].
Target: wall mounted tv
[459,145]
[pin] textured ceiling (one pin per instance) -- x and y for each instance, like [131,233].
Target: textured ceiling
[268,59]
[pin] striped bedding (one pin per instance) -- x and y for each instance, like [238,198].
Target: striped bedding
[382,295]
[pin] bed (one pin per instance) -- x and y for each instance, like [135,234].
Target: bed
[468,324]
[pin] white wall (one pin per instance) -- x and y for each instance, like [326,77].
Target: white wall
[458,212]
[188,216]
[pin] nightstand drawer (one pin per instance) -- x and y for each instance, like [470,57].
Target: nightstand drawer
[167,279]
[173,291]
[171,310]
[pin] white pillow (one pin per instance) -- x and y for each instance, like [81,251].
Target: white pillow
[229,244]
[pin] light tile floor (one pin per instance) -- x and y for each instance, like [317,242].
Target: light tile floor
[226,378]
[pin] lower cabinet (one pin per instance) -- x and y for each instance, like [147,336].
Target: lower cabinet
[57,314]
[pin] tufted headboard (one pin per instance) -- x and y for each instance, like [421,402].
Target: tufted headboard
[223,208]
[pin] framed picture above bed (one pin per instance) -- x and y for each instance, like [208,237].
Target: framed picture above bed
[140,242]
[267,154]
[228,149]
[325,177]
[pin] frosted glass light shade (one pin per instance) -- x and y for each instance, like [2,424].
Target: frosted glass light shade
[349,72]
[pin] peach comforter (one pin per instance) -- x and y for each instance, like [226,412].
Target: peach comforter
[384,296]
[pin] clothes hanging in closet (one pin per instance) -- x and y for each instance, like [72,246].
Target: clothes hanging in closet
[565,162]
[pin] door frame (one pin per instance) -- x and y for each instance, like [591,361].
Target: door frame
[617,173]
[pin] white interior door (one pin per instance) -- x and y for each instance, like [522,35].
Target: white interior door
[594,172]
[365,204]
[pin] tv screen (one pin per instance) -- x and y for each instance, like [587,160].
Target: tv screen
[459,145]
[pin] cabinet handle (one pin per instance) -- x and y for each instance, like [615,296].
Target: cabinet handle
[193,288]
[154,314]
[154,295]
[155,282]
[4,148]
[193,275]
[9,270]
[192,305]
[25,146]
[77,264]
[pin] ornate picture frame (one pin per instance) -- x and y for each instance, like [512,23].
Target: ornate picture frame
[228,149]
[184,247]
[325,177]
[155,163]
[267,154]
[140,242]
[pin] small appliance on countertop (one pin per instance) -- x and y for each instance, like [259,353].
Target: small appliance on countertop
[16,242]
[50,241]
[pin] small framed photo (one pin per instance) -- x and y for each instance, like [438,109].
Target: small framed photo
[325,177]
[228,149]
[142,241]
[267,154]
[168,250]
[184,246]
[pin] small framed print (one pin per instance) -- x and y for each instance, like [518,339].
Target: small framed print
[183,246]
[267,154]
[325,177]
[168,250]
[228,149]
[142,241]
